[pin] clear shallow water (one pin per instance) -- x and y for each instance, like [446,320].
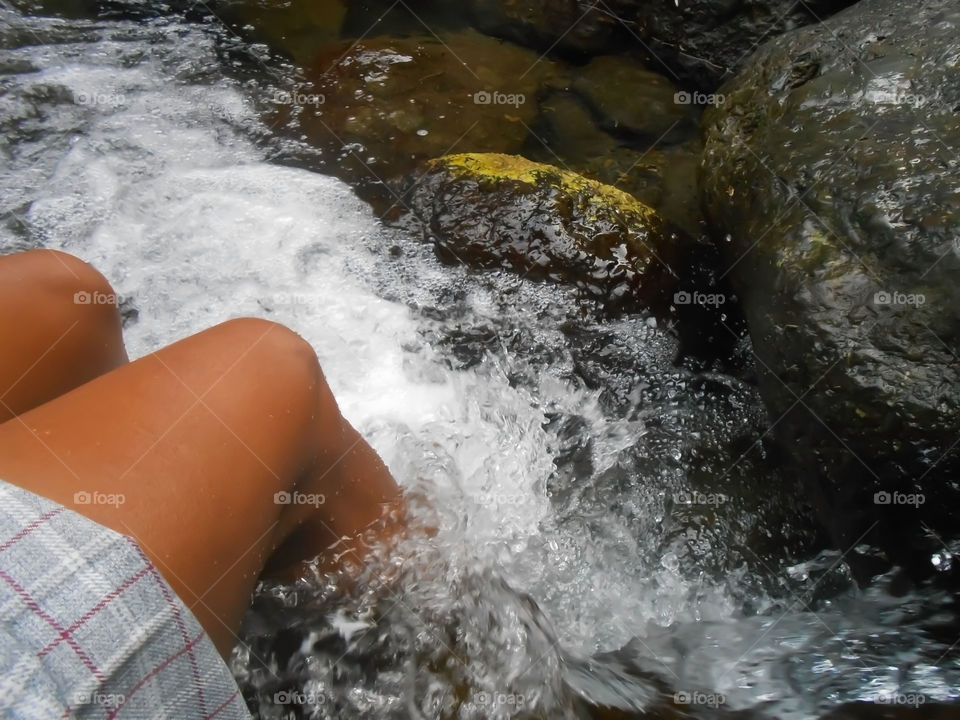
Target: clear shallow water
[605,530]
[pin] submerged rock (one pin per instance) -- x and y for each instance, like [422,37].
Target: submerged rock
[502,211]
[295,27]
[833,166]
[569,129]
[631,100]
[661,175]
[664,178]
[386,104]
[378,108]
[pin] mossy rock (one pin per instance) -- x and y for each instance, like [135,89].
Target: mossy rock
[492,210]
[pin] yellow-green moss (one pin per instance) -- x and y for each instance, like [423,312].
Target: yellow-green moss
[498,167]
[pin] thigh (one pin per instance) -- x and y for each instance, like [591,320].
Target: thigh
[184,450]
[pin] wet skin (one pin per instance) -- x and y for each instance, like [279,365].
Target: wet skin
[204,440]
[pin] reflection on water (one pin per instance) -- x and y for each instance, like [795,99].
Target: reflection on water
[611,529]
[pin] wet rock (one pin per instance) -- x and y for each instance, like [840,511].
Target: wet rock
[503,211]
[573,26]
[834,169]
[385,104]
[703,42]
[631,100]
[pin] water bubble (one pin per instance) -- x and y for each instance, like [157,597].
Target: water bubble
[942,561]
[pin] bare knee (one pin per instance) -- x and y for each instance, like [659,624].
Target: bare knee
[292,392]
[74,291]
[59,271]
[68,289]
[279,354]
[285,381]
[60,324]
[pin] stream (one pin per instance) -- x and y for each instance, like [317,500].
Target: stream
[614,535]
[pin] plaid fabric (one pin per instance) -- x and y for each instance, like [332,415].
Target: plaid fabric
[89,628]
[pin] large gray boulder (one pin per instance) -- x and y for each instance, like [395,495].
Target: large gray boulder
[833,167]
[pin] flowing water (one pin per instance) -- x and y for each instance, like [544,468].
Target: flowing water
[612,531]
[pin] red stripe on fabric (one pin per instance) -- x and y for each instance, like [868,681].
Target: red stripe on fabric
[107,599]
[222,706]
[31,527]
[194,670]
[37,610]
[146,678]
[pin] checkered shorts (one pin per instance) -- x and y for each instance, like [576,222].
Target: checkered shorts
[89,628]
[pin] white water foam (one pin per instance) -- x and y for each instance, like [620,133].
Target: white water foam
[173,204]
